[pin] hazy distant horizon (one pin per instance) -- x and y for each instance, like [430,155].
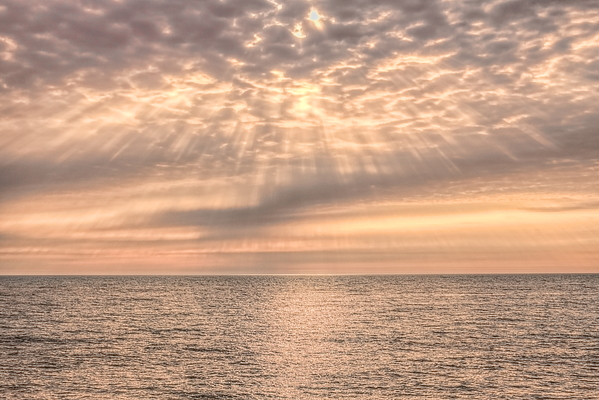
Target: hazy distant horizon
[300,274]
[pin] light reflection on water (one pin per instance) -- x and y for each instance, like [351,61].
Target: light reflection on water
[300,337]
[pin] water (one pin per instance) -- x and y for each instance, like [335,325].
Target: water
[293,337]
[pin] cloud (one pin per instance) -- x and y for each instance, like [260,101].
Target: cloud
[256,100]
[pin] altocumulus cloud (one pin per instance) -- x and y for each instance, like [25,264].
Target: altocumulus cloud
[204,120]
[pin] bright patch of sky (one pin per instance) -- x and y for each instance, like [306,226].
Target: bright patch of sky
[226,134]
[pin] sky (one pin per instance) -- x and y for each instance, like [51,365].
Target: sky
[295,136]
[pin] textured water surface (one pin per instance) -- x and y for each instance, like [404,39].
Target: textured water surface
[300,337]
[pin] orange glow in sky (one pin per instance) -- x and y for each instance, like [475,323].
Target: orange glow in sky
[298,137]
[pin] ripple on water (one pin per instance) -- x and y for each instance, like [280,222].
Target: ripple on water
[293,337]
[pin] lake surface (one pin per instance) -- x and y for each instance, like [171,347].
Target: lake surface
[300,337]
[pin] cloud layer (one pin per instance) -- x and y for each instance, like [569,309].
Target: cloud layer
[171,121]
